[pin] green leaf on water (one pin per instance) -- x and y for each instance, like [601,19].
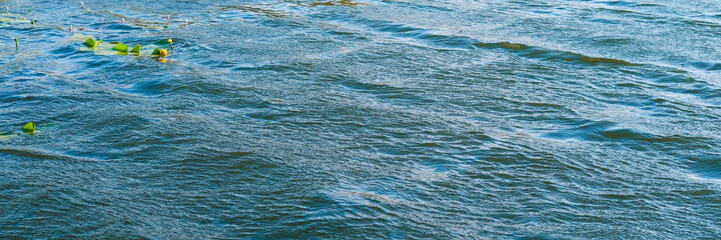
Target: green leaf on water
[121,47]
[136,49]
[29,127]
[156,51]
[91,43]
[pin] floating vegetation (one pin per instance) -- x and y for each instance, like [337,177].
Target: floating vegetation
[29,128]
[160,52]
[117,48]
[121,47]
[91,43]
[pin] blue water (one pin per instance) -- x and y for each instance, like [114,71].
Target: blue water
[371,119]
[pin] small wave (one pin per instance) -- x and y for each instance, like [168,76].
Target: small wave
[707,66]
[548,54]
[43,154]
[345,3]
[146,88]
[603,131]
[463,42]
[707,166]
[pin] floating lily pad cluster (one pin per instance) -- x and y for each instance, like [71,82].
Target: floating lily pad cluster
[121,48]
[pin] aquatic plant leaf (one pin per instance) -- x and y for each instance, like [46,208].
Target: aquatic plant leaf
[156,51]
[135,49]
[121,47]
[29,127]
[91,43]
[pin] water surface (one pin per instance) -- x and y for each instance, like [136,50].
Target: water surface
[369,119]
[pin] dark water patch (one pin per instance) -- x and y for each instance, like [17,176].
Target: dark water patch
[553,55]
[629,134]
[219,64]
[274,114]
[707,66]
[620,11]
[39,154]
[349,34]
[371,87]
[97,63]
[707,166]
[618,3]
[600,131]
[702,23]
[66,52]
[447,41]
[668,77]
[260,10]
[384,91]
[122,28]
[680,82]
[606,21]
[147,88]
[344,3]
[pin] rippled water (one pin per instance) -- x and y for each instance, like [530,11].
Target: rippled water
[369,119]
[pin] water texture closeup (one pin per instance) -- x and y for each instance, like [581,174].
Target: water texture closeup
[362,119]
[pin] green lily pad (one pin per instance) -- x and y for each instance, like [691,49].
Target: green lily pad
[29,127]
[156,51]
[121,47]
[91,43]
[135,49]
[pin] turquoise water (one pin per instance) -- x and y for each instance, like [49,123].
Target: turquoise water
[370,119]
